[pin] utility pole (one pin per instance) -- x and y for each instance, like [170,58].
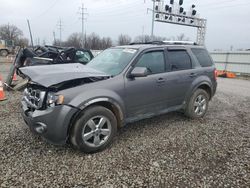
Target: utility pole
[83,18]
[31,38]
[60,30]
[153,18]
[54,36]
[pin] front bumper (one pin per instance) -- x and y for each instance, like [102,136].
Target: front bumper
[52,123]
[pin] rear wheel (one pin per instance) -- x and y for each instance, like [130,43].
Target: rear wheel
[3,53]
[198,104]
[94,130]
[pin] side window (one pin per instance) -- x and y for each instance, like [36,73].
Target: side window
[179,60]
[153,61]
[203,57]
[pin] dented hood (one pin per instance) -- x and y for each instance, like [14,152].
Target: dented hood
[49,75]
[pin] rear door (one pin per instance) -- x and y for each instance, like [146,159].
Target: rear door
[180,75]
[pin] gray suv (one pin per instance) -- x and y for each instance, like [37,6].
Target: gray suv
[85,104]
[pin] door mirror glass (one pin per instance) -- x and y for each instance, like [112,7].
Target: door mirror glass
[139,72]
[82,57]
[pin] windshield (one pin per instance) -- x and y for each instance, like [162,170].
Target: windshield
[112,61]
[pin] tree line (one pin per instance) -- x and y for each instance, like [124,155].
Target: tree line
[92,41]
[13,33]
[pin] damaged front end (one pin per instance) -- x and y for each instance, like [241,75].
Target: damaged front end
[46,81]
[44,108]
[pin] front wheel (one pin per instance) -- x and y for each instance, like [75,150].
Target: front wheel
[94,130]
[198,104]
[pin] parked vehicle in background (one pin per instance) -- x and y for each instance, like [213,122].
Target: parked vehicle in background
[6,47]
[84,105]
[47,55]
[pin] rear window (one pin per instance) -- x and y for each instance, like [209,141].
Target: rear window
[179,60]
[203,57]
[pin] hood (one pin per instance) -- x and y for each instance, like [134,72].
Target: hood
[49,75]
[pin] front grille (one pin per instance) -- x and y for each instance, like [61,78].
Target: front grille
[34,98]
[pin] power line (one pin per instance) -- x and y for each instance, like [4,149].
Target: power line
[225,2]
[126,13]
[228,6]
[114,9]
[50,7]
[83,13]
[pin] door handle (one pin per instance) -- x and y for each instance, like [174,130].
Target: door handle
[160,80]
[192,75]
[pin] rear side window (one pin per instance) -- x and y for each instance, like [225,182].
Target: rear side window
[203,57]
[179,60]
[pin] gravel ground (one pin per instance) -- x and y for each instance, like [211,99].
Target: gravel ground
[166,151]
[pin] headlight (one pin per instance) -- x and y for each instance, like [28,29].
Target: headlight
[53,99]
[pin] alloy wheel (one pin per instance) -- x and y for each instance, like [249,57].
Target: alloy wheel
[96,131]
[200,105]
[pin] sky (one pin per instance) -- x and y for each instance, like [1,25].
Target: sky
[228,21]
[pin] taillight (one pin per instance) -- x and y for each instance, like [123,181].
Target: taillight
[215,74]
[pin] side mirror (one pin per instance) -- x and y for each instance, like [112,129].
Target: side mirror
[139,72]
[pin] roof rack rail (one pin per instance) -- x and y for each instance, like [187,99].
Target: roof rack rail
[151,42]
[180,42]
[166,42]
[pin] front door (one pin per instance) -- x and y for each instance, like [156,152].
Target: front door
[145,95]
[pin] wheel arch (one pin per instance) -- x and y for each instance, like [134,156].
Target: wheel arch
[200,85]
[207,88]
[5,49]
[110,104]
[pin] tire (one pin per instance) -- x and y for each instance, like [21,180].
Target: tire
[99,126]
[4,53]
[198,104]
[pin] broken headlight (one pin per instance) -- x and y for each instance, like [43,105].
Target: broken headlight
[53,99]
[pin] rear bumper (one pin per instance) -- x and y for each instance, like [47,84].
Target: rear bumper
[51,124]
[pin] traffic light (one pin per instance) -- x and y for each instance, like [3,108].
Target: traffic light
[193,12]
[166,7]
[170,9]
[181,9]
